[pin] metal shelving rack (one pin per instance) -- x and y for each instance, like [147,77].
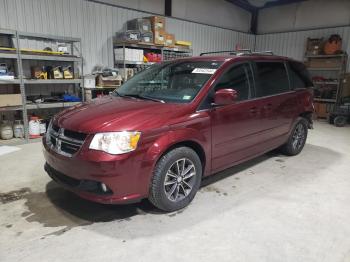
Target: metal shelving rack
[335,71]
[165,51]
[20,56]
[338,72]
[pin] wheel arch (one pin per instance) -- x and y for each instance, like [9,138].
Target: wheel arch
[308,116]
[189,137]
[195,146]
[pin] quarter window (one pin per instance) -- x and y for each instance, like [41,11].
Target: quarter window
[273,78]
[299,76]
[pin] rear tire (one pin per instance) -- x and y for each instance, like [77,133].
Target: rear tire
[176,179]
[340,121]
[297,138]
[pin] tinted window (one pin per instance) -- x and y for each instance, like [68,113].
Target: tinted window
[237,79]
[299,76]
[273,78]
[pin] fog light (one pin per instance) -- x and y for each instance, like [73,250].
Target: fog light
[104,187]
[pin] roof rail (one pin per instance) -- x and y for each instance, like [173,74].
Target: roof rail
[231,52]
[239,52]
[263,53]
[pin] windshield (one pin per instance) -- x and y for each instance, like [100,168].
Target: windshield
[177,82]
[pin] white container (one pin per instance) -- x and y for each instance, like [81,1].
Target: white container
[18,129]
[6,131]
[42,127]
[89,81]
[34,127]
[119,54]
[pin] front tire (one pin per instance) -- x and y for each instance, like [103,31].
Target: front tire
[297,138]
[176,179]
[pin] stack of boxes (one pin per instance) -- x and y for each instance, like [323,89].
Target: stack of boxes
[151,31]
[143,26]
[158,28]
[148,30]
[161,37]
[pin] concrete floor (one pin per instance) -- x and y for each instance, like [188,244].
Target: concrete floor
[274,208]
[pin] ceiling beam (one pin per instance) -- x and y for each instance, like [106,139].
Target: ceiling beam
[281,2]
[167,7]
[244,4]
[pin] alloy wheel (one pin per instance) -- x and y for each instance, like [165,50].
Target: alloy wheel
[298,136]
[180,179]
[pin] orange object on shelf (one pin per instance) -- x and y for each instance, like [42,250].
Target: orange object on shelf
[34,127]
[333,45]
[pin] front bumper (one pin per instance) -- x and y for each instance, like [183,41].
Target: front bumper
[126,177]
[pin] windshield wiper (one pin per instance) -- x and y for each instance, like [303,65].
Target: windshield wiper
[142,97]
[116,92]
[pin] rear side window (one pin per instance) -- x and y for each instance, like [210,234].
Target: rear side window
[272,77]
[236,78]
[299,76]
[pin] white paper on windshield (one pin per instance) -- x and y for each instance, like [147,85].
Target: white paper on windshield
[208,71]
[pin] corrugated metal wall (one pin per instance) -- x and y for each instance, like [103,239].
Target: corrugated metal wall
[293,44]
[96,25]
[208,38]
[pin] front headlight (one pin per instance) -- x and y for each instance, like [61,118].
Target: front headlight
[47,135]
[115,142]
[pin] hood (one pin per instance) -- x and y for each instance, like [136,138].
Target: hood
[117,114]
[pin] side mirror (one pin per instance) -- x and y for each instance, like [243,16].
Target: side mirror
[225,97]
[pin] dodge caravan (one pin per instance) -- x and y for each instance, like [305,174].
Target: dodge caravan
[176,122]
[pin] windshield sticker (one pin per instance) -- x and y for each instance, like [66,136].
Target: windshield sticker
[186,97]
[207,71]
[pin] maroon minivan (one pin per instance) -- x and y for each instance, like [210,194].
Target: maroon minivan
[176,122]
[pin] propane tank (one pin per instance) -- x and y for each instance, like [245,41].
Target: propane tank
[34,127]
[6,131]
[18,129]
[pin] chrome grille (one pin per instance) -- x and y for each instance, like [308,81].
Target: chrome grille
[64,142]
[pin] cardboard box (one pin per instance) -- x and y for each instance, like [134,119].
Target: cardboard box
[118,54]
[139,24]
[314,46]
[322,110]
[169,40]
[38,72]
[108,81]
[158,23]
[147,38]
[10,100]
[325,62]
[135,55]
[159,37]
[129,36]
